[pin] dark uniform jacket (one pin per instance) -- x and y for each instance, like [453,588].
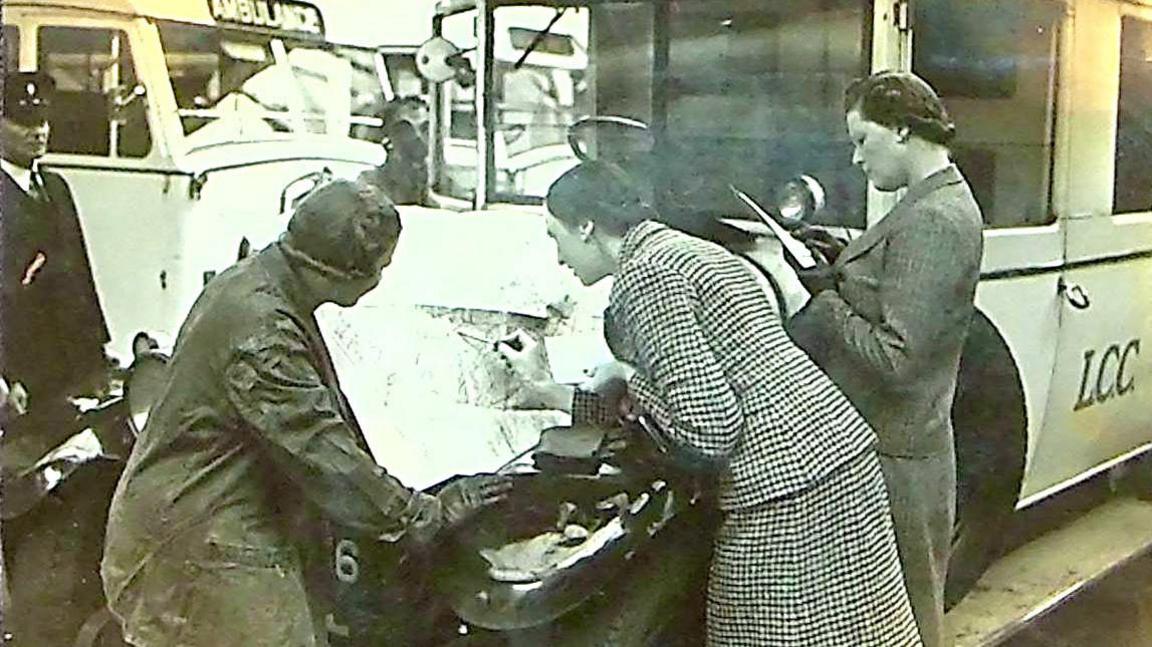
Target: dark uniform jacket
[52,330]
[250,447]
[717,372]
[891,333]
[404,174]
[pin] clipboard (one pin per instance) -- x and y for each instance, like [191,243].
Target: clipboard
[796,250]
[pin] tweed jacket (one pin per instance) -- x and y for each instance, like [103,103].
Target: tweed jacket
[891,333]
[717,372]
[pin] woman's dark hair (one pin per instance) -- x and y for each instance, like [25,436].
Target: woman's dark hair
[602,193]
[901,100]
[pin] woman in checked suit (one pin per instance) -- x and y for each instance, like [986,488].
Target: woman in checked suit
[806,553]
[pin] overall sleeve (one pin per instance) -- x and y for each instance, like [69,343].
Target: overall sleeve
[678,379]
[276,388]
[925,269]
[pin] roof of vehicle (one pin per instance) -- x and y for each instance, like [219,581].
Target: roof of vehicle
[363,23]
[193,11]
[299,17]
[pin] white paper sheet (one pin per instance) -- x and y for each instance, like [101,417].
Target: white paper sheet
[573,357]
[794,248]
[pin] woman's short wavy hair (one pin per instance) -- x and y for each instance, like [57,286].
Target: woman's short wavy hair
[602,193]
[901,100]
[606,195]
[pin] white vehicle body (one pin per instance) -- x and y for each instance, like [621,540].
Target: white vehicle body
[161,218]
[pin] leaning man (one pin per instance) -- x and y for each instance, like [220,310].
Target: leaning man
[216,532]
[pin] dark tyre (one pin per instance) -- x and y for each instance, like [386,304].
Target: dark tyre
[990,423]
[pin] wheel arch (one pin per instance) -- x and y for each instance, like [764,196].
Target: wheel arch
[990,423]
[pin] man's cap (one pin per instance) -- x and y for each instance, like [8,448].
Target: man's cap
[343,228]
[27,96]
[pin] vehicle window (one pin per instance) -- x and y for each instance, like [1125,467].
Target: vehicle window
[232,85]
[367,104]
[11,48]
[755,97]
[540,87]
[996,71]
[99,106]
[1133,182]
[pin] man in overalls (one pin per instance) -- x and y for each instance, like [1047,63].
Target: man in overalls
[216,534]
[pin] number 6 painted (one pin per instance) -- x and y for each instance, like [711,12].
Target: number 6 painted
[347,564]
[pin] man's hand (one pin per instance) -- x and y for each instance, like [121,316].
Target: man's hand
[820,278]
[525,356]
[464,496]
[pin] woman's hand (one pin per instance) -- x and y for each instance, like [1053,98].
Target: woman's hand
[535,387]
[610,382]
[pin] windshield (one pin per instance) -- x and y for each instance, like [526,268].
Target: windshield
[744,94]
[233,85]
[536,97]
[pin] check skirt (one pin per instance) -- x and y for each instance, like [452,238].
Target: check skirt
[814,569]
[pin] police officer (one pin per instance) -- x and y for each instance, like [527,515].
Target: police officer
[52,329]
[52,333]
[404,174]
[216,523]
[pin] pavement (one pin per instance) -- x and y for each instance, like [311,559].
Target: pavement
[1078,573]
[1116,612]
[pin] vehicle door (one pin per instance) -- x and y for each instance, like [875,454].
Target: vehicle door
[107,141]
[1102,388]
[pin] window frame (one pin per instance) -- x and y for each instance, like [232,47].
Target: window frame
[11,64]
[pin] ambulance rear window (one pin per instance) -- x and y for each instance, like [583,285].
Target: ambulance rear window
[234,84]
[99,108]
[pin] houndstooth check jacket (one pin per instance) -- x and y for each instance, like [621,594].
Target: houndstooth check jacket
[717,371]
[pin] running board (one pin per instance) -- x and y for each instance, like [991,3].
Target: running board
[1039,576]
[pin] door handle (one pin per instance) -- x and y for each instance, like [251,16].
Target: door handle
[1073,293]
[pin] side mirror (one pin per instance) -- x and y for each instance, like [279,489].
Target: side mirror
[800,199]
[439,60]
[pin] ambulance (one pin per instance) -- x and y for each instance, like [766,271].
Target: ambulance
[182,127]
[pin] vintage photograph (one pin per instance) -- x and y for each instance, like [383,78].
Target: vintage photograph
[605,323]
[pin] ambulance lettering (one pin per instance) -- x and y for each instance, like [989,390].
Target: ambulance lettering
[279,15]
[1108,375]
